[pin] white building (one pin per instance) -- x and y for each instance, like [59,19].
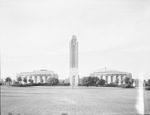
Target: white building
[38,76]
[110,76]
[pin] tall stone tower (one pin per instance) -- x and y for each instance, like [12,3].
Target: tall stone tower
[74,77]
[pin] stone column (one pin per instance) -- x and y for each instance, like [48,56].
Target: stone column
[106,79]
[21,80]
[35,79]
[124,78]
[121,79]
[27,79]
[38,79]
[119,83]
[30,77]
[112,78]
[41,79]
[109,79]
[117,79]
[45,79]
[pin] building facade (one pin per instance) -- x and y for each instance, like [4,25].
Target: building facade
[38,76]
[111,76]
[74,77]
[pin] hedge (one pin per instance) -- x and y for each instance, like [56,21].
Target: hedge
[39,84]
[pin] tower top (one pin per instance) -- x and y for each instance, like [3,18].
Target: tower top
[74,37]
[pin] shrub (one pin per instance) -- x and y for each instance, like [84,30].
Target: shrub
[110,85]
[129,81]
[147,88]
[25,80]
[63,84]
[19,79]
[52,81]
[127,86]
[22,85]
[100,82]
[39,84]
[8,80]
[80,84]
[31,81]
[147,83]
[84,81]
[89,81]
[17,85]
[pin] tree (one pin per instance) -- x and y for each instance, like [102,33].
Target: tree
[19,79]
[1,81]
[52,81]
[148,82]
[122,81]
[85,81]
[25,80]
[131,81]
[117,81]
[128,82]
[30,80]
[93,80]
[42,80]
[101,82]
[136,82]
[8,80]
[89,81]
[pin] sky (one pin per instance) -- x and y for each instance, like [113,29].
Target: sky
[35,35]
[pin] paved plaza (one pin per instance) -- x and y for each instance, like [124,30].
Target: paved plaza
[67,101]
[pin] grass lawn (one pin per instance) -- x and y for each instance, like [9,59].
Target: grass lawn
[67,101]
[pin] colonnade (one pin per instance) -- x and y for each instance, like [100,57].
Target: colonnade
[37,78]
[112,78]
